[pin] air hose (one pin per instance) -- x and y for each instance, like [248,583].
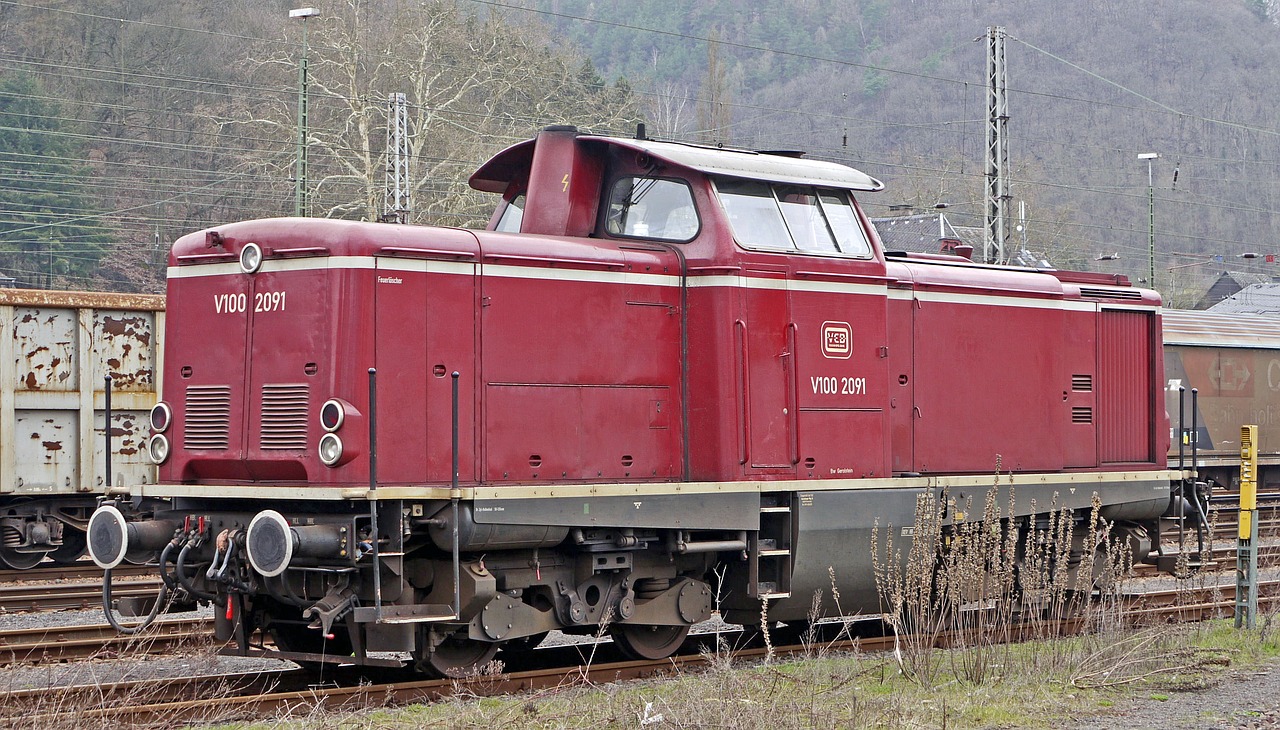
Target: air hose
[161,600]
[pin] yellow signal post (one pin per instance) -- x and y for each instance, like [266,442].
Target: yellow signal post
[1247,551]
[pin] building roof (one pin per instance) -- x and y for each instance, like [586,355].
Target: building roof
[920,233]
[934,233]
[1253,299]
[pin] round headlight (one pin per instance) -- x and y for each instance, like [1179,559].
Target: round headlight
[158,449]
[331,415]
[330,449]
[161,417]
[250,258]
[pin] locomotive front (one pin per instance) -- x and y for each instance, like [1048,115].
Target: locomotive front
[263,441]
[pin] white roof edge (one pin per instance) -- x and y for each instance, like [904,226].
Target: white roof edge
[753,165]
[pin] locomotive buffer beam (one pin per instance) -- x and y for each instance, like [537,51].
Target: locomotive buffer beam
[417,613]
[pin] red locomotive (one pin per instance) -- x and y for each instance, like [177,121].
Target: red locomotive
[660,360]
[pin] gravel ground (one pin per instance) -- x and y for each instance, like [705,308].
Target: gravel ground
[1249,699]
[196,663]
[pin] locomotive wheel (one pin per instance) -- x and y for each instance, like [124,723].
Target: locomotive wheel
[458,656]
[74,543]
[648,642]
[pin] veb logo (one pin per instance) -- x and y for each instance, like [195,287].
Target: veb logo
[837,340]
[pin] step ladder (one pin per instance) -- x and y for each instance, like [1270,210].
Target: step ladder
[770,560]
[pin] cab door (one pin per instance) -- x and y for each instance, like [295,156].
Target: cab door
[425,330]
[766,392]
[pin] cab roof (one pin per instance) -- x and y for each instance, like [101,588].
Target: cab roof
[498,172]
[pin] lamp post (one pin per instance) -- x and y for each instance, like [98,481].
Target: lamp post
[1151,220]
[301,198]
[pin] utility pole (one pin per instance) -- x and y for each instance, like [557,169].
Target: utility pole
[997,209]
[395,203]
[1151,219]
[301,196]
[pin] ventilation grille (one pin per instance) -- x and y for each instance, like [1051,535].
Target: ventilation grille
[284,416]
[1082,383]
[208,417]
[1090,293]
[1081,414]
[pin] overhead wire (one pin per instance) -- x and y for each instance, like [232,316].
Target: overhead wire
[946,126]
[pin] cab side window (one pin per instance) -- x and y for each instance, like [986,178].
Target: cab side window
[650,207]
[792,217]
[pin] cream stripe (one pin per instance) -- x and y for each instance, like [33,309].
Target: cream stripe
[1159,478]
[640,279]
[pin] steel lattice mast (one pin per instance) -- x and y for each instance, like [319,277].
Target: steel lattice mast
[997,209]
[395,205]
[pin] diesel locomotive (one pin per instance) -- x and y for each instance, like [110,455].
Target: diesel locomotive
[667,379]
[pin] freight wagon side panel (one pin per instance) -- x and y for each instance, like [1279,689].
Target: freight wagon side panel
[56,349]
[1235,385]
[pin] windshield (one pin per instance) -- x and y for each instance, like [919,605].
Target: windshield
[650,207]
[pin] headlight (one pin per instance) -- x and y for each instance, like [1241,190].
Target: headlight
[250,258]
[332,414]
[161,417]
[158,449]
[330,449]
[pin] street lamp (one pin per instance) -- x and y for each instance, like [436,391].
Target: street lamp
[301,202]
[1151,220]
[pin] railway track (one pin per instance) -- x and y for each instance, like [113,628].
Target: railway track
[27,597]
[282,692]
[71,643]
[84,570]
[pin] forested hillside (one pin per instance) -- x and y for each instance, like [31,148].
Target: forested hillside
[125,123]
[898,88]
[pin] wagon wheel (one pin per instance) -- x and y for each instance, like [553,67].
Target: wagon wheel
[648,642]
[74,543]
[11,557]
[458,656]
[19,561]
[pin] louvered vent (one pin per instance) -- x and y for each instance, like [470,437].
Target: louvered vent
[1081,414]
[1082,383]
[284,416]
[208,417]
[1090,293]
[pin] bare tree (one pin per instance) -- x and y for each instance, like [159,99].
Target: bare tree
[473,84]
[668,109]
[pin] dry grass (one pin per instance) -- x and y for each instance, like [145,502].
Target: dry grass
[853,690]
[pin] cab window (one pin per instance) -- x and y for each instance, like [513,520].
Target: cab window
[650,207]
[792,217]
[512,215]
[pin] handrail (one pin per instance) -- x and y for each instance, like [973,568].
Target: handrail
[426,253]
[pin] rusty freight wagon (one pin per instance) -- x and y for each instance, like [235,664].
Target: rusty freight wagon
[1233,363]
[56,351]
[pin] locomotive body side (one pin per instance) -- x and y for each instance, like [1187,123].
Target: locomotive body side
[671,363]
[56,348]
